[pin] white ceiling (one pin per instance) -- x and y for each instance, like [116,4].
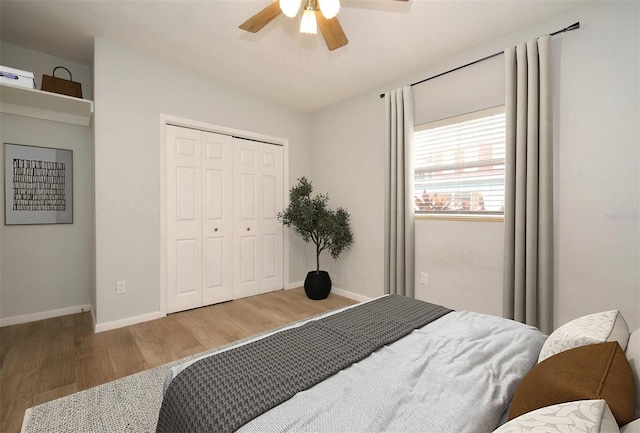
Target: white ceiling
[387,39]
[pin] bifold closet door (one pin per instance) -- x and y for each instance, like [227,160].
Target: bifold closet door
[184,219]
[199,218]
[217,224]
[258,197]
[224,240]
[271,173]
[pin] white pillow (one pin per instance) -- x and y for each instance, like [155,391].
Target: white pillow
[592,329]
[583,416]
[633,355]
[632,427]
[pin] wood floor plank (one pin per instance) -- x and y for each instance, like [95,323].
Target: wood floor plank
[152,343]
[17,402]
[26,355]
[124,351]
[45,397]
[55,374]
[86,342]
[94,370]
[53,358]
[207,336]
[57,369]
[8,334]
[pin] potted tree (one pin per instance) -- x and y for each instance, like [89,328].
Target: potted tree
[329,230]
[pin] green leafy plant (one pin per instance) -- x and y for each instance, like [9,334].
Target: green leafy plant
[311,218]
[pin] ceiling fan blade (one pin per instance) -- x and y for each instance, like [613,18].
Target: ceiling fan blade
[262,18]
[331,31]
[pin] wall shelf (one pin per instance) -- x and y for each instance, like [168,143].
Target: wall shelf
[45,105]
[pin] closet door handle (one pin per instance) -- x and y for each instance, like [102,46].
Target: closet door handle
[248,228]
[216,229]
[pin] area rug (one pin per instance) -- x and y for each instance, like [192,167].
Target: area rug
[130,404]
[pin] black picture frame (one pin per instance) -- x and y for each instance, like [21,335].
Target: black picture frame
[38,185]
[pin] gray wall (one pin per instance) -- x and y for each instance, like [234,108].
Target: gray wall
[596,133]
[47,268]
[131,91]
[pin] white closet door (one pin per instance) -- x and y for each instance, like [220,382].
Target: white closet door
[270,228]
[246,206]
[223,238]
[184,219]
[217,233]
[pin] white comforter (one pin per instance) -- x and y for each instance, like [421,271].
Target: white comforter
[454,375]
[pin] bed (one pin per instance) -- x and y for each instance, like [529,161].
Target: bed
[396,364]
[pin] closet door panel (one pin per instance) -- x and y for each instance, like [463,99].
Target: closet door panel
[187,204]
[217,232]
[187,269]
[184,219]
[223,238]
[215,272]
[246,201]
[269,261]
[271,170]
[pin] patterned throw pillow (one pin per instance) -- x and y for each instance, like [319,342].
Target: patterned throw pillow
[584,416]
[591,329]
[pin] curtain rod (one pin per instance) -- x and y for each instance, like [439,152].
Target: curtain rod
[574,26]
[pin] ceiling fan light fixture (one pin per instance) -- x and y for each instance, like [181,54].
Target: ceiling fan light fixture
[308,23]
[290,7]
[329,8]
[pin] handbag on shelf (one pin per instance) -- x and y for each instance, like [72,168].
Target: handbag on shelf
[51,83]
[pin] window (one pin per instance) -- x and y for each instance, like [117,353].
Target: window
[459,165]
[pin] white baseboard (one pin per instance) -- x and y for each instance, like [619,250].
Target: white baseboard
[350,295]
[336,290]
[93,318]
[108,326]
[26,318]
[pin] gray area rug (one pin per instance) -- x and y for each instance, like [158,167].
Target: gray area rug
[130,404]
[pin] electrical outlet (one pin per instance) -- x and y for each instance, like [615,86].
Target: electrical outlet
[423,278]
[120,287]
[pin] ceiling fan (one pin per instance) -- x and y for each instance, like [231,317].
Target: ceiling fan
[316,13]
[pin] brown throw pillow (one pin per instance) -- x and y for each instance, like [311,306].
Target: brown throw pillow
[597,371]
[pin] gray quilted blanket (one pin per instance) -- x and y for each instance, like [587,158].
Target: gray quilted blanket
[221,393]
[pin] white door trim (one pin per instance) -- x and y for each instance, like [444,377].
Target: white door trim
[166,119]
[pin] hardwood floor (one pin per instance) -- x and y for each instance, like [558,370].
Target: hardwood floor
[49,359]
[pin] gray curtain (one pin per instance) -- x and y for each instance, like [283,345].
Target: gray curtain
[528,215]
[399,244]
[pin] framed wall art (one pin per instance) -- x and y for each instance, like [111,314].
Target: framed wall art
[38,185]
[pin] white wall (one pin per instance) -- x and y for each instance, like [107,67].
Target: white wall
[597,126]
[131,91]
[596,134]
[46,269]
[347,161]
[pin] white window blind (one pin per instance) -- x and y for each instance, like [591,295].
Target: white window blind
[459,164]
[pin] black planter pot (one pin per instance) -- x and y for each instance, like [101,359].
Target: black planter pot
[317,285]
